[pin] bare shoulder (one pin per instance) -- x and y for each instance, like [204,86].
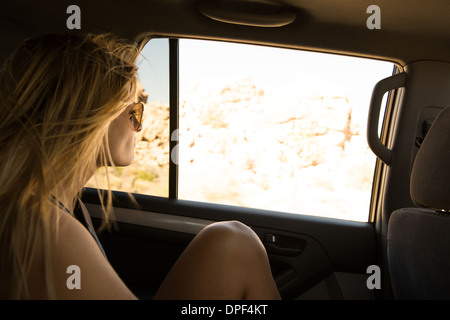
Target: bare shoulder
[79,268]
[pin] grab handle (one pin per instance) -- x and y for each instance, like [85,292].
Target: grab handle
[385,85]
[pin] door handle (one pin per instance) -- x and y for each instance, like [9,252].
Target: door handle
[283,245]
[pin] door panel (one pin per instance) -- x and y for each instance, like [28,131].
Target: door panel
[310,257]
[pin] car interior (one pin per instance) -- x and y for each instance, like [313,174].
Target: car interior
[398,250]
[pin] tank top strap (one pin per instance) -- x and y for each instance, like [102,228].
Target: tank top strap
[82,215]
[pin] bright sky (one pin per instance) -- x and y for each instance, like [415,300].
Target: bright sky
[200,60]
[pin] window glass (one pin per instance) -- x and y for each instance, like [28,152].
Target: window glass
[150,170]
[276,129]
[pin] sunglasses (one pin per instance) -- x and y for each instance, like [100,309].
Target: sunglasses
[136,116]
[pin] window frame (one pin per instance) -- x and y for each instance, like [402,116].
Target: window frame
[174,120]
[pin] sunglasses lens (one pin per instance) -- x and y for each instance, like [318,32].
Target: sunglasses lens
[138,111]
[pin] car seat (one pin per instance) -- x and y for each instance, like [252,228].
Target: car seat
[419,238]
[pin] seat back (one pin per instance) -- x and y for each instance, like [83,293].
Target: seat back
[419,238]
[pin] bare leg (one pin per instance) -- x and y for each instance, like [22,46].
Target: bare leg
[225,261]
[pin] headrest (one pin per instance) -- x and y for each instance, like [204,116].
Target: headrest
[430,179]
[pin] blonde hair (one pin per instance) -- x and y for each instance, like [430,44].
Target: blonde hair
[58,95]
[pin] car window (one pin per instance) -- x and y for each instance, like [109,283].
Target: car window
[261,127]
[276,129]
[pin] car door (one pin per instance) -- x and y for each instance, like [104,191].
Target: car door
[313,213]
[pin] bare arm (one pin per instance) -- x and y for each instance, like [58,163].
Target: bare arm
[80,270]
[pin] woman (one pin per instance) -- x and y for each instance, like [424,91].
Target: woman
[68,108]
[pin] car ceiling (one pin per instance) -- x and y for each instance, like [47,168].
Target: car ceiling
[411,30]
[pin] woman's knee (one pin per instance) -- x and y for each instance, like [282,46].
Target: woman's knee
[244,258]
[233,236]
[225,260]
[231,227]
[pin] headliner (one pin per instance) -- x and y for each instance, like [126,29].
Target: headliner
[411,30]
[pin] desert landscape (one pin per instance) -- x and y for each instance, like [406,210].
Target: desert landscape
[289,149]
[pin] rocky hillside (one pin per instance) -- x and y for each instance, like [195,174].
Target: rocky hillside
[291,150]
